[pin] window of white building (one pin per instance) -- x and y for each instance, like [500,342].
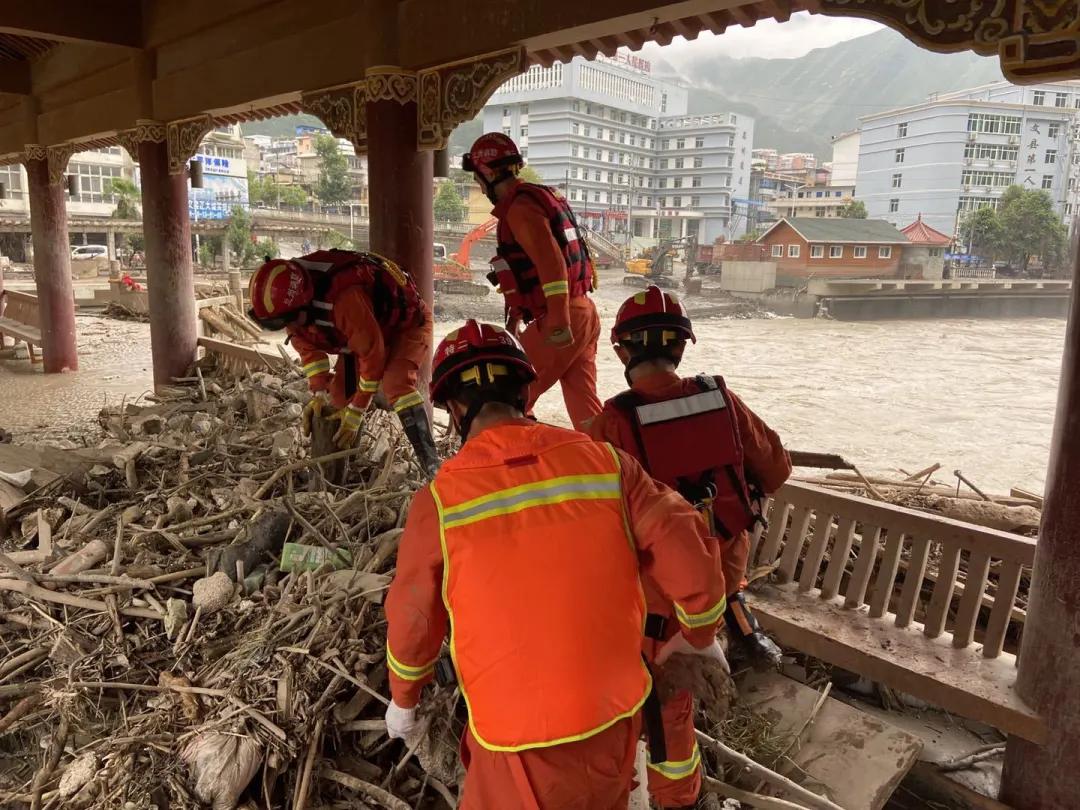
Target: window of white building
[897,180]
[894,205]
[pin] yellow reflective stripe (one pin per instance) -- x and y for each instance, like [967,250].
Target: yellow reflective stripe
[406,672]
[316,367]
[556,288]
[461,684]
[368,386]
[351,417]
[603,486]
[679,769]
[693,620]
[268,300]
[408,400]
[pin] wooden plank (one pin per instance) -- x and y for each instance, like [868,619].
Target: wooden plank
[759,530]
[793,545]
[838,557]
[941,599]
[913,581]
[247,354]
[816,551]
[998,544]
[864,566]
[778,518]
[959,681]
[216,301]
[1004,597]
[974,585]
[886,578]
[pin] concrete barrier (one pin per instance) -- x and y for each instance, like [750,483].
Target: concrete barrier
[747,277]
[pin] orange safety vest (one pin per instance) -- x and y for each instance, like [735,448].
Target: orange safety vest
[541,584]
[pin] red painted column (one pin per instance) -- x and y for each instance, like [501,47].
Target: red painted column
[169,279]
[1048,776]
[52,268]
[400,179]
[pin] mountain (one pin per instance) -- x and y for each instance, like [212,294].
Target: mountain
[800,103]
[282,127]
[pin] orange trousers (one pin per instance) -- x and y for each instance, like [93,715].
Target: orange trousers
[592,774]
[677,781]
[407,351]
[574,366]
[734,555]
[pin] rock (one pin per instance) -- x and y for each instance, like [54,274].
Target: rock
[176,615]
[260,405]
[265,380]
[211,594]
[21,352]
[178,422]
[293,410]
[149,424]
[201,424]
[77,774]
[247,467]
[284,441]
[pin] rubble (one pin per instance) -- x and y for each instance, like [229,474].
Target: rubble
[154,650]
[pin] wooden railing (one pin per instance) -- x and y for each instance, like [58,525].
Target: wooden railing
[964,568]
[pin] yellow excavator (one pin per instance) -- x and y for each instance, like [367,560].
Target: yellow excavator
[656,265]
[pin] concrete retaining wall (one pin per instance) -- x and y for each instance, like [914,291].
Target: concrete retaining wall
[747,277]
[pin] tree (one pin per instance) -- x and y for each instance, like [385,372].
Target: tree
[238,235]
[333,186]
[530,175]
[264,191]
[856,209]
[449,207]
[292,196]
[981,230]
[127,198]
[1030,227]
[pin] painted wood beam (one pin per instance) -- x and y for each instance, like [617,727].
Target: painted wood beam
[102,22]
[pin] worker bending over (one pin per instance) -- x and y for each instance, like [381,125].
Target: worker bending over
[544,272]
[366,310]
[700,439]
[545,627]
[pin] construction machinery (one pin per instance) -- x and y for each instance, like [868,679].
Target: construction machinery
[656,265]
[452,273]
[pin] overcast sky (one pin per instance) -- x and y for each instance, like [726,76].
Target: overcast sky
[771,39]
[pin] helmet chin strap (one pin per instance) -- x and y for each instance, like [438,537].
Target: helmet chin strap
[489,185]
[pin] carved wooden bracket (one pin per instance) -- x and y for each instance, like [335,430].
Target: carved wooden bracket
[445,96]
[58,161]
[1035,40]
[145,132]
[453,94]
[34,151]
[183,138]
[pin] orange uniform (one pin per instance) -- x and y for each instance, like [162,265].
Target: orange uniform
[677,782]
[391,358]
[572,364]
[546,631]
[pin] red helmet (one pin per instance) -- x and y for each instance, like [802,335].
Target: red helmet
[483,348]
[277,289]
[650,310]
[491,154]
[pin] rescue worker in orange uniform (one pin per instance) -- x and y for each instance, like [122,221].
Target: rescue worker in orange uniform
[544,271]
[697,437]
[366,310]
[546,628]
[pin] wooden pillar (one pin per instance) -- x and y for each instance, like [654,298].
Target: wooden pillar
[52,263]
[169,276]
[400,177]
[1048,776]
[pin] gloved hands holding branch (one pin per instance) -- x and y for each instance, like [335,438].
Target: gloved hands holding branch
[401,724]
[351,419]
[313,410]
[678,645]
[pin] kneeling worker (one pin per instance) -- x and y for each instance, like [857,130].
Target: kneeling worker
[546,627]
[363,308]
[697,437]
[544,272]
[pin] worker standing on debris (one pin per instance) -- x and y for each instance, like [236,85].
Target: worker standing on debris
[700,439]
[544,271]
[545,628]
[366,310]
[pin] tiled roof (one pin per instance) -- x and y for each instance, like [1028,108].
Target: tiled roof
[919,233]
[839,230]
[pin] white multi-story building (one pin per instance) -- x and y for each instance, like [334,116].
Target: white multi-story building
[622,145]
[94,168]
[959,151]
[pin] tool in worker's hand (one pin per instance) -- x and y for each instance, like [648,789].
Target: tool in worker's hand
[313,410]
[350,419]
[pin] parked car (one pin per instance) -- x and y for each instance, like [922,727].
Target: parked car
[90,252]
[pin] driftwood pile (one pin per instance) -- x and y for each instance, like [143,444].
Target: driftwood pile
[156,651]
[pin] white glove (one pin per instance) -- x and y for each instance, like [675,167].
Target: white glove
[401,723]
[678,645]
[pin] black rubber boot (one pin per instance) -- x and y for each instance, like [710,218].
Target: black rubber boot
[762,652]
[418,430]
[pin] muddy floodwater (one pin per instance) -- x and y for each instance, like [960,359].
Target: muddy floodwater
[977,395]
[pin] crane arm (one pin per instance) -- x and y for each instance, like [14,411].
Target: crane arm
[471,238]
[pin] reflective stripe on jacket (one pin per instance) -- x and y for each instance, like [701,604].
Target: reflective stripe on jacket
[515,272]
[541,584]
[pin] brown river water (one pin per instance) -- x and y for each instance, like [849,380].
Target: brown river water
[978,395]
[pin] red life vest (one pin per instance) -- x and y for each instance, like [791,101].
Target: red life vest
[394,297]
[692,444]
[514,272]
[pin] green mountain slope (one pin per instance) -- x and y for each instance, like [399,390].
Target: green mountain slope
[801,103]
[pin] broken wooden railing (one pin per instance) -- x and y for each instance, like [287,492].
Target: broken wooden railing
[921,603]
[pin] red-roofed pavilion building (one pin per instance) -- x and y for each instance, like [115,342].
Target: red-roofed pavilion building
[926,256]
